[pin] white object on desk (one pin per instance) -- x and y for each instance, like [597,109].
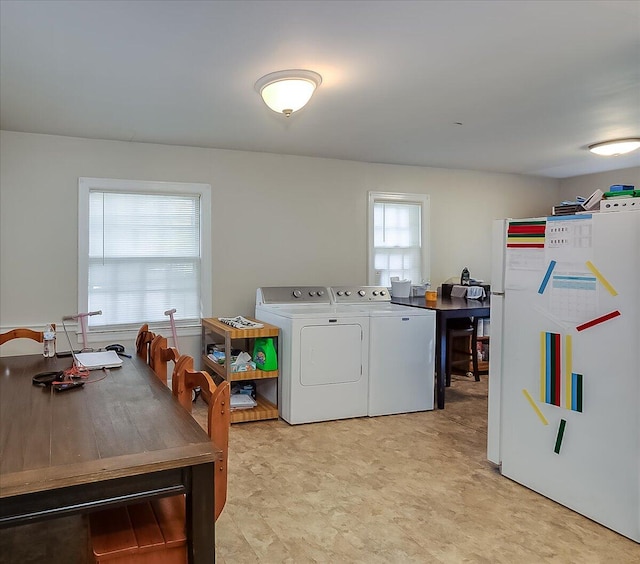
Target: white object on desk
[400,288]
[476,293]
[470,292]
[458,291]
[99,360]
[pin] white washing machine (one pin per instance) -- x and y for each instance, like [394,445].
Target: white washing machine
[323,353]
[401,350]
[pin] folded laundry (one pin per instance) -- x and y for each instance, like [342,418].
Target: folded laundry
[240,322]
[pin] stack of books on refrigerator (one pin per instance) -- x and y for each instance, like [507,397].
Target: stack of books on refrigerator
[580,204]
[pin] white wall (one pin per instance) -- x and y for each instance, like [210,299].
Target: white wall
[276,219]
[588,184]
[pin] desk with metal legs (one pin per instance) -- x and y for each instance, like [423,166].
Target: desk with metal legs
[446,309]
[119,439]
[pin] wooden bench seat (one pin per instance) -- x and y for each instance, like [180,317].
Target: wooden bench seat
[150,532]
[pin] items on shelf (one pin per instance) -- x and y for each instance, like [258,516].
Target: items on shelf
[247,387]
[470,292]
[217,355]
[242,363]
[482,350]
[622,194]
[602,201]
[568,208]
[242,401]
[621,197]
[240,322]
[226,354]
[264,354]
[243,395]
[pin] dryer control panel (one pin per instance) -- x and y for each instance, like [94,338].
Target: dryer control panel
[293,295]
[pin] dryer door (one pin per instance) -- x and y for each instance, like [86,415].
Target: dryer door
[331,354]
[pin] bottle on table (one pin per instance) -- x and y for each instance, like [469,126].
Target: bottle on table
[49,349]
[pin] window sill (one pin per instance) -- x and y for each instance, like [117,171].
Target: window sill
[129,334]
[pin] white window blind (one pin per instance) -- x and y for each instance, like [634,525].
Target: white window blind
[143,256]
[398,241]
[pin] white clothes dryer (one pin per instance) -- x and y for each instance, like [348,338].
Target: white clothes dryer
[401,350]
[323,354]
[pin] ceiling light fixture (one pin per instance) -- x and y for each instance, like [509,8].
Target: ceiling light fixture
[615,147]
[287,91]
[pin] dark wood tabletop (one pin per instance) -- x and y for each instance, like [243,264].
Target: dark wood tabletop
[446,309]
[121,437]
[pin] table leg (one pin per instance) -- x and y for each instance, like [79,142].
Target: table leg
[441,358]
[200,516]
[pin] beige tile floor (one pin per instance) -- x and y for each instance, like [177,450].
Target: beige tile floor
[395,489]
[403,488]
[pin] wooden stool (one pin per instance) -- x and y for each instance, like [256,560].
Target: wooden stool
[467,355]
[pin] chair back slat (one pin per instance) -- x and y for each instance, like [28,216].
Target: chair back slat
[22,333]
[156,362]
[184,363]
[143,341]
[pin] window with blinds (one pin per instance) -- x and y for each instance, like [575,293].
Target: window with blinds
[398,246]
[143,252]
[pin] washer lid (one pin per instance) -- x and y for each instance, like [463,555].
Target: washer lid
[380,309]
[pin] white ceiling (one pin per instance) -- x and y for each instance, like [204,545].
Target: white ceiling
[532,82]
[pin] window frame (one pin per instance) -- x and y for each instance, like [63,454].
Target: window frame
[423,201]
[203,191]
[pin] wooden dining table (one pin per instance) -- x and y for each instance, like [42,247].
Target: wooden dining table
[120,438]
[446,309]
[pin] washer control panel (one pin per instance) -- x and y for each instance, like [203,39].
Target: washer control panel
[359,294]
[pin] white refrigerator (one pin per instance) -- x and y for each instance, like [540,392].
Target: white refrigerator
[564,379]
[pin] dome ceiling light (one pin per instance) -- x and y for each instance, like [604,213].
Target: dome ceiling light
[288,91]
[615,147]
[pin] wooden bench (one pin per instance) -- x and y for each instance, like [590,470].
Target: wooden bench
[145,533]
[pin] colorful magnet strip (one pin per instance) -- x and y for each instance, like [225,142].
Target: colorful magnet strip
[598,320]
[576,392]
[559,436]
[568,379]
[601,278]
[545,280]
[535,407]
[526,234]
[552,362]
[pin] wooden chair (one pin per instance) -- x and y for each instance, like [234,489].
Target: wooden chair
[143,341]
[154,532]
[22,333]
[183,365]
[218,422]
[463,355]
[160,355]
